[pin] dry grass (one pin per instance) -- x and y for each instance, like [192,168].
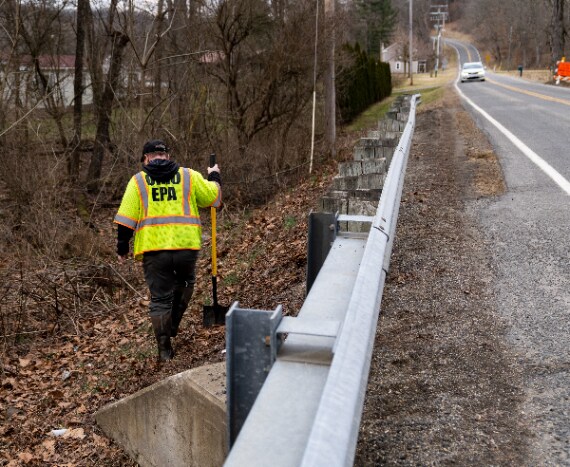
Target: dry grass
[427,80]
[542,76]
[451,30]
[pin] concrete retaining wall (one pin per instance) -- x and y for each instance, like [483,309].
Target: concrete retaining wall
[180,421]
[357,188]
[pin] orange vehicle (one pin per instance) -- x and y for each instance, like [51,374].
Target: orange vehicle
[562,71]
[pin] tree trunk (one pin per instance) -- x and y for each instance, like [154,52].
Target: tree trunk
[73,161]
[330,94]
[557,31]
[158,55]
[102,137]
[50,102]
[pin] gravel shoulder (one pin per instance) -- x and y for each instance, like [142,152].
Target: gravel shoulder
[445,387]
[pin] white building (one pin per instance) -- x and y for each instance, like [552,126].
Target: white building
[23,85]
[394,55]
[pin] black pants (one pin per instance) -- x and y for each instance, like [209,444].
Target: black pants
[170,276]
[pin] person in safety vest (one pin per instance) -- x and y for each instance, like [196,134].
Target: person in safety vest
[160,207]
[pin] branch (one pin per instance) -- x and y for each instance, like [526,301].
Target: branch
[26,114]
[125,280]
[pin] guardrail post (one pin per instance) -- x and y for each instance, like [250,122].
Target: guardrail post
[322,232]
[251,347]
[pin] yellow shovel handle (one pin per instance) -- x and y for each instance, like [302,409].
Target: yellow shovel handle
[214,258]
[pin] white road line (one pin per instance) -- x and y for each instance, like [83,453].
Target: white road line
[533,156]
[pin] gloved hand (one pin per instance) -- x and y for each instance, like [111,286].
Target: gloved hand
[214,174]
[213,169]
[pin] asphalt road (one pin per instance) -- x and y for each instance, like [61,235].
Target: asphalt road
[527,230]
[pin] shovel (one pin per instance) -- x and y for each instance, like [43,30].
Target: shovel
[215,314]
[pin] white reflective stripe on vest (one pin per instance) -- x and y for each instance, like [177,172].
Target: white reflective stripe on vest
[186,184]
[218,201]
[126,221]
[143,193]
[168,220]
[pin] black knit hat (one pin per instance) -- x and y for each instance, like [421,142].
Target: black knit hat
[154,145]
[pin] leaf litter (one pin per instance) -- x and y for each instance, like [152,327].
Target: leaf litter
[53,382]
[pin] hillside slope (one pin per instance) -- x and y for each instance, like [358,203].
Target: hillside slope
[59,376]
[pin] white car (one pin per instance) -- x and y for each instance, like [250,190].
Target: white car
[472,71]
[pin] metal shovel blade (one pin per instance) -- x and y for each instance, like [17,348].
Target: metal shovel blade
[213,315]
[216,313]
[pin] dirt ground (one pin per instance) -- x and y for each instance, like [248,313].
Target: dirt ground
[444,389]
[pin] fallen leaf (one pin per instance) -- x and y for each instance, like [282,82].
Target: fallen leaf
[56,394]
[49,445]
[99,440]
[9,383]
[75,433]
[24,362]
[26,457]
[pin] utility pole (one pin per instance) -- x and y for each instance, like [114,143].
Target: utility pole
[330,93]
[439,16]
[411,48]
[314,87]
[438,26]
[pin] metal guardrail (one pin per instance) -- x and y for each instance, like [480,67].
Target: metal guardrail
[304,404]
[335,431]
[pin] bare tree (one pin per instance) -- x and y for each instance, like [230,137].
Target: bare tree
[39,25]
[421,20]
[517,31]
[186,41]
[147,54]
[488,20]
[104,86]
[329,79]
[9,85]
[78,89]
[557,30]
[263,79]
[529,26]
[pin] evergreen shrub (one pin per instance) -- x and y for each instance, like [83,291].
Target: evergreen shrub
[361,81]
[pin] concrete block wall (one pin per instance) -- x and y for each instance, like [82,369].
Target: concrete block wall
[362,166]
[357,188]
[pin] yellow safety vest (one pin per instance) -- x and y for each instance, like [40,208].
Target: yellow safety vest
[164,215]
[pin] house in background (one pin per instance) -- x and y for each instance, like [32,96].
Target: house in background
[20,82]
[394,55]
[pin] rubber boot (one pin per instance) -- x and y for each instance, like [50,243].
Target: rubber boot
[180,302]
[162,325]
